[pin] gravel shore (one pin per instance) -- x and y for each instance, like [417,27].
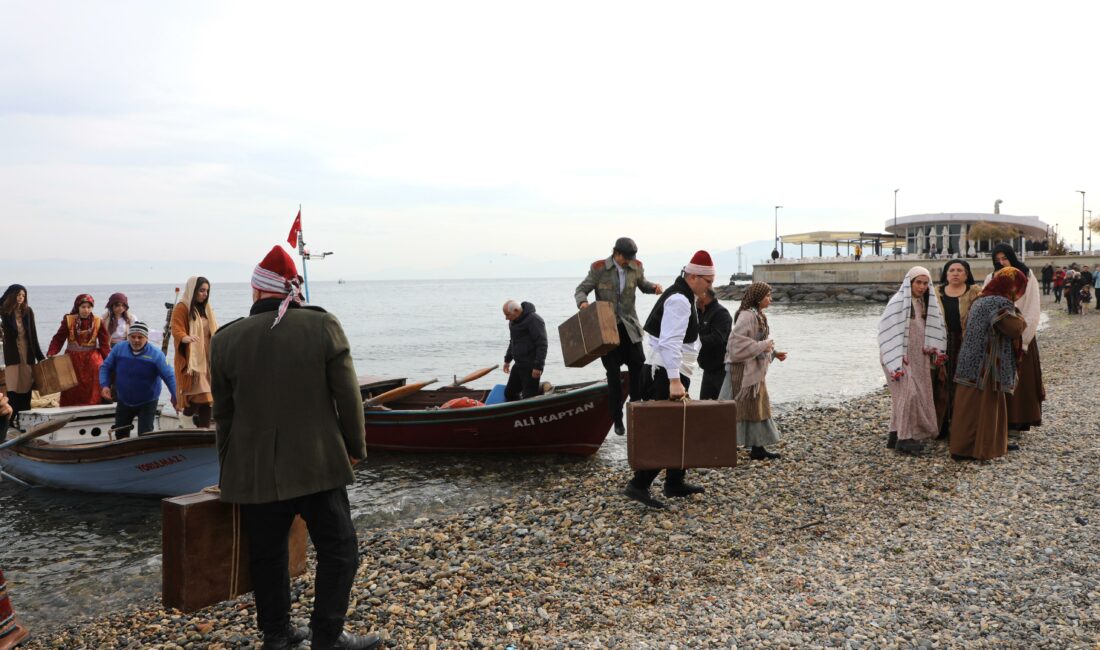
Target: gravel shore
[841,543]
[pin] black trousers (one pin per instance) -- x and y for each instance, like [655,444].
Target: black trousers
[712,383]
[328,519]
[1057,294]
[628,353]
[658,389]
[521,384]
[124,417]
[1046,287]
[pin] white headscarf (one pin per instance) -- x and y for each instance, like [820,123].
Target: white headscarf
[893,327]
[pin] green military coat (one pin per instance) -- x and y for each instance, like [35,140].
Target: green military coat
[286,404]
[603,277]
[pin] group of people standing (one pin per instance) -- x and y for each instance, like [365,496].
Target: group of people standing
[88,340]
[1076,283]
[962,362]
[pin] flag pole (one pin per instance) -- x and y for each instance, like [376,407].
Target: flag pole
[302,253]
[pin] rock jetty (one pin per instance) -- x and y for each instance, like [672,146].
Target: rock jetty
[840,544]
[816,294]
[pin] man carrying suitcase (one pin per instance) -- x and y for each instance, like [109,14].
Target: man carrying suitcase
[674,344]
[615,280]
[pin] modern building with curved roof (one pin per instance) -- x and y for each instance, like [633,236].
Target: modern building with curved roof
[950,232]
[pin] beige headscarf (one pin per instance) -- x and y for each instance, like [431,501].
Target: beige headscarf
[197,354]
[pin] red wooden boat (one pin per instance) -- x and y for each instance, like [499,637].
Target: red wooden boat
[571,419]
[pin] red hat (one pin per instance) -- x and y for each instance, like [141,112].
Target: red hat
[277,274]
[700,264]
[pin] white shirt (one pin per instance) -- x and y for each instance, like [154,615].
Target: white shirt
[669,350]
[622,277]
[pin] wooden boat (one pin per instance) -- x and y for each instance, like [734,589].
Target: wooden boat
[572,419]
[86,457]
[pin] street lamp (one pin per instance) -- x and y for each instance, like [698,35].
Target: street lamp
[1089,224]
[896,221]
[775,251]
[1082,221]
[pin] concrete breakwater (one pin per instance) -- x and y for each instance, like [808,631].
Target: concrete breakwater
[816,294]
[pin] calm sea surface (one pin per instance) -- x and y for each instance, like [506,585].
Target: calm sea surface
[67,554]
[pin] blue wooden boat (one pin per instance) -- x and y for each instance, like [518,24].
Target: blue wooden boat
[163,463]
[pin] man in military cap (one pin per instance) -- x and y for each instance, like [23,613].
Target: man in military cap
[615,280]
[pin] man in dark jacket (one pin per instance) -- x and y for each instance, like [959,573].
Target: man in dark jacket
[527,346]
[1047,277]
[715,324]
[289,430]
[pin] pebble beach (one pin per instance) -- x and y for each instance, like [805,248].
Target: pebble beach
[840,544]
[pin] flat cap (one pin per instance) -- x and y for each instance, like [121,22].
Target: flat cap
[627,247]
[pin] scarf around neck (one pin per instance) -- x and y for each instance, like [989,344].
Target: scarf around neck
[986,359]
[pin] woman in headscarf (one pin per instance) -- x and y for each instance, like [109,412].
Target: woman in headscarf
[911,341]
[749,351]
[1025,403]
[86,344]
[193,324]
[118,317]
[985,374]
[21,348]
[956,292]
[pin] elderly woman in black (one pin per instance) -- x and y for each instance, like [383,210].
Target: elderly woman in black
[956,292]
[21,348]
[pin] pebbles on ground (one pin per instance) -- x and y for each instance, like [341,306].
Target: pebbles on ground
[841,543]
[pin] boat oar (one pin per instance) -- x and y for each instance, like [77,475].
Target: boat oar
[397,393]
[43,429]
[477,374]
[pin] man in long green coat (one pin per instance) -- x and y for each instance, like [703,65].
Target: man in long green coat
[289,422]
[616,280]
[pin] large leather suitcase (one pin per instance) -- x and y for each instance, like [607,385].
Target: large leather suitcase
[588,334]
[682,434]
[54,375]
[205,551]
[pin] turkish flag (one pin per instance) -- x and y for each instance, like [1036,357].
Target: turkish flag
[295,230]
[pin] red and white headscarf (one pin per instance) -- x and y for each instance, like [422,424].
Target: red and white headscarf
[278,274]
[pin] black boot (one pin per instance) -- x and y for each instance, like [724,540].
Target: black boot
[682,489]
[914,447]
[760,453]
[349,641]
[286,640]
[892,440]
[642,496]
[620,430]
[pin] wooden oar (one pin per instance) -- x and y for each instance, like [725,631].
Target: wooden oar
[477,374]
[43,429]
[397,393]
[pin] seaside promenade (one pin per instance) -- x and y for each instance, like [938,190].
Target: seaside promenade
[842,543]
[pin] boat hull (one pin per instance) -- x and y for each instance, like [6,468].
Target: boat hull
[159,463]
[575,422]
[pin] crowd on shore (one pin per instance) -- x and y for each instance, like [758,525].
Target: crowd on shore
[960,362]
[1076,283]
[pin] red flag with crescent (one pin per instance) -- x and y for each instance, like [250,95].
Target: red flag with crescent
[295,230]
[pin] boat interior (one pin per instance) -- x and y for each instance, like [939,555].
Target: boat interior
[432,398]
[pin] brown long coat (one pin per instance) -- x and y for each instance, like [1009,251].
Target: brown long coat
[180,328]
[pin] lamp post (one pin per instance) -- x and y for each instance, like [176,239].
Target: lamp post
[775,251]
[896,247]
[1087,224]
[1082,221]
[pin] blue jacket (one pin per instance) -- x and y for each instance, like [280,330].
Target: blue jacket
[137,376]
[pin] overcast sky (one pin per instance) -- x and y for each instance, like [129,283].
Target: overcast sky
[420,135]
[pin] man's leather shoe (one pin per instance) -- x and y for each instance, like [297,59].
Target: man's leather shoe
[620,430]
[349,641]
[642,496]
[293,636]
[683,489]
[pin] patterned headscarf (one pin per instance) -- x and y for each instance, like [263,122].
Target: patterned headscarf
[81,299]
[751,300]
[1009,283]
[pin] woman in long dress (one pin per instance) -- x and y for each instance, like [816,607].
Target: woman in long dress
[21,348]
[986,371]
[87,344]
[749,351]
[956,293]
[193,324]
[1025,403]
[911,340]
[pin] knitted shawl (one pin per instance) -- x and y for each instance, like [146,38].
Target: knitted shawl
[986,359]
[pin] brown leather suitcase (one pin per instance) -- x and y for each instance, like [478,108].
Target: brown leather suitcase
[205,551]
[681,435]
[54,375]
[588,334]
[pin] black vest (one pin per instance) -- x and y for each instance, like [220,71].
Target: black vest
[653,323]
